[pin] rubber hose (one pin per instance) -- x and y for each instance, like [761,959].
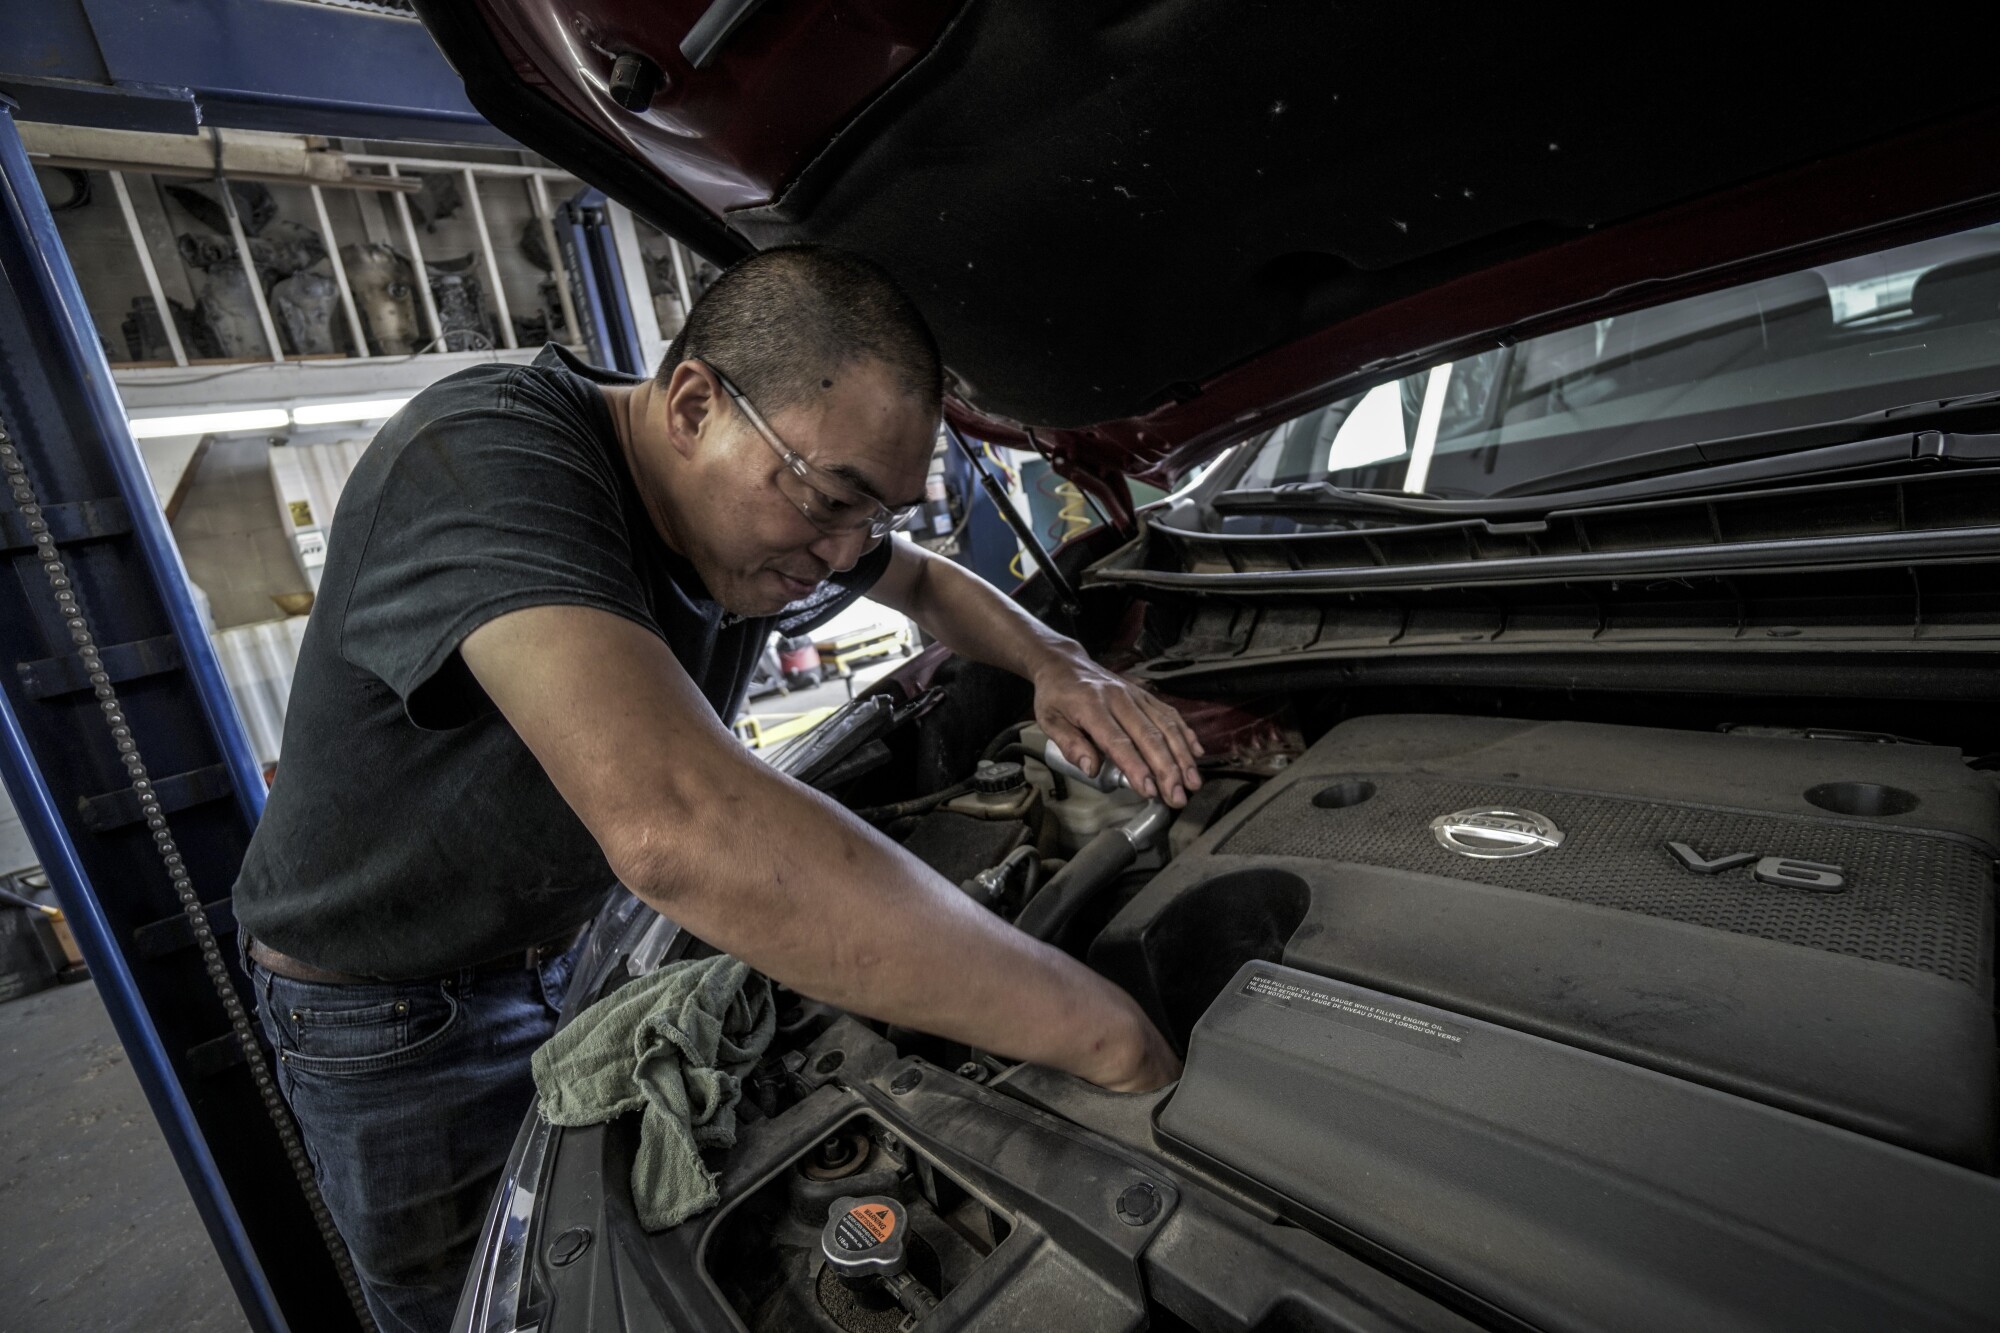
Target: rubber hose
[1058,785]
[1087,873]
[920,805]
[1008,736]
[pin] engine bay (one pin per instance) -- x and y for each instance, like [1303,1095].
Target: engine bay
[1488,1022]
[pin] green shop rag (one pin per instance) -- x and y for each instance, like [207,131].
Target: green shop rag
[675,1044]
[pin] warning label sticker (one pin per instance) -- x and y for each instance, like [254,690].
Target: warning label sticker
[1369,1016]
[865,1226]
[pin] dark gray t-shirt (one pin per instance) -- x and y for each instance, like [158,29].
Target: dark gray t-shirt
[409,831]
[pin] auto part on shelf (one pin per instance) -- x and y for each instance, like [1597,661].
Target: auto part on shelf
[436,199]
[461,304]
[285,247]
[303,307]
[146,336]
[385,297]
[228,313]
[1869,1008]
[255,205]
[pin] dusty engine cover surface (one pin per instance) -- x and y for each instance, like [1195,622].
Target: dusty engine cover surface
[1572,1192]
[1805,923]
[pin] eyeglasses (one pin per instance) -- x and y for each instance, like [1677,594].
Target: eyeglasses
[829,504]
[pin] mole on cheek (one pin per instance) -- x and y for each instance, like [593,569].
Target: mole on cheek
[826,384]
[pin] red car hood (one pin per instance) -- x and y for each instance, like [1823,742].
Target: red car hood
[1143,231]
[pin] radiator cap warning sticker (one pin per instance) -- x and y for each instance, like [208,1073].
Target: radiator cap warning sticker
[865,1226]
[1365,1015]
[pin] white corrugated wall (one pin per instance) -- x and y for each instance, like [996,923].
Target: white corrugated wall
[308,479]
[258,661]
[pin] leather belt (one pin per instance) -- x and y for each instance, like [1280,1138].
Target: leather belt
[293,969]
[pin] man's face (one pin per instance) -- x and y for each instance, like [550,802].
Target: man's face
[735,506]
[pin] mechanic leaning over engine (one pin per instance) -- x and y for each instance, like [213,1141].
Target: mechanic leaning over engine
[545,591]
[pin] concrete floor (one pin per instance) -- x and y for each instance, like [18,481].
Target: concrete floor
[96,1229]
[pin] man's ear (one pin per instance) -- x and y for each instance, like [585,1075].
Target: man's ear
[690,395]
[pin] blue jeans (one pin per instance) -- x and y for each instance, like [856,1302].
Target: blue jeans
[409,1096]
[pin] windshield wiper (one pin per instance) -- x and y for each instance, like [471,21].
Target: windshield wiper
[1748,460]
[1322,497]
[1794,451]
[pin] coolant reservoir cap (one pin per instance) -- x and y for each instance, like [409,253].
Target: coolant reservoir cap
[997,776]
[864,1236]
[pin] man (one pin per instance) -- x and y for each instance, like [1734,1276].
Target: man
[545,591]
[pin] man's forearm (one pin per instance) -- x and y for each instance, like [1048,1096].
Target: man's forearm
[839,913]
[1085,710]
[975,620]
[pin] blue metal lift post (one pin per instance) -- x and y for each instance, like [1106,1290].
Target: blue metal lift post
[597,283]
[80,519]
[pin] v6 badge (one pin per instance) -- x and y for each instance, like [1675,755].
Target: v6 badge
[1783,871]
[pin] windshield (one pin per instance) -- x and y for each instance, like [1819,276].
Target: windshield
[1911,324]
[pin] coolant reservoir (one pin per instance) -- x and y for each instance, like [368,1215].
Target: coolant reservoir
[999,791]
[1083,811]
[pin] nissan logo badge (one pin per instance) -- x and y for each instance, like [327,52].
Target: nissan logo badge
[1492,834]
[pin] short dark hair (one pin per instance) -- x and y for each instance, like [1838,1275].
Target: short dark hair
[781,320]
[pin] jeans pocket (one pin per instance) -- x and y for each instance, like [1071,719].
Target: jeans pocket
[369,1032]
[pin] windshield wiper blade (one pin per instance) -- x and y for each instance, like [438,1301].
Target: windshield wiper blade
[1324,497]
[1813,445]
[1906,447]
[1746,461]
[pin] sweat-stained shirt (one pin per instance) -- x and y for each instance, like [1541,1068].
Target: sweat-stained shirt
[409,830]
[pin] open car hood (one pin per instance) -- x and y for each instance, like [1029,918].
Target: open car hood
[1144,231]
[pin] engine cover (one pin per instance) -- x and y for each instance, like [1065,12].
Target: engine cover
[1805,923]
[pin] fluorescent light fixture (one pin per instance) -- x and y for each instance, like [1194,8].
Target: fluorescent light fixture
[211,423]
[366,409]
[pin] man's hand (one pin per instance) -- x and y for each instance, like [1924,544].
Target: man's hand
[1147,1062]
[1089,713]
[1092,715]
